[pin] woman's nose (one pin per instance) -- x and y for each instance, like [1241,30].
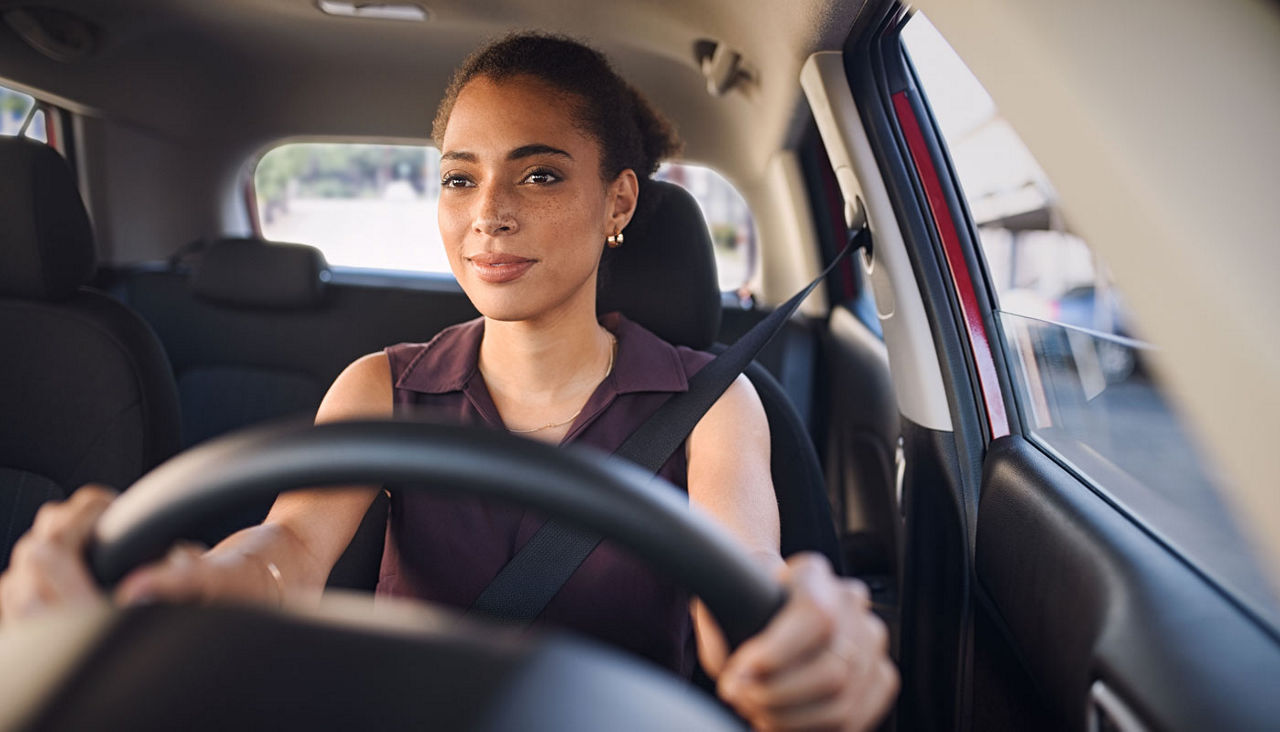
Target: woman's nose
[495,215]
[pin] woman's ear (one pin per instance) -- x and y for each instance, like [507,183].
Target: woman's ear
[623,195]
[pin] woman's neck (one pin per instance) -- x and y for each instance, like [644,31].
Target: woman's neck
[542,356]
[539,371]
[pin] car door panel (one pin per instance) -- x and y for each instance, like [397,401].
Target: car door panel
[935,583]
[1085,594]
[862,432]
[1072,614]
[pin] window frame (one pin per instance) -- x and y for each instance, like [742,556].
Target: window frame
[985,637]
[1138,503]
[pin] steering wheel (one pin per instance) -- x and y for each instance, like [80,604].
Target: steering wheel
[582,487]
[216,667]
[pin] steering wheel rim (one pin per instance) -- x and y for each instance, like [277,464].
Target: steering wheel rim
[583,487]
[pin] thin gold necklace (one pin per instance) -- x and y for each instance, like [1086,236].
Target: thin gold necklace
[613,350]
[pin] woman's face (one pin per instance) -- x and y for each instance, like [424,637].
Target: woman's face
[523,211]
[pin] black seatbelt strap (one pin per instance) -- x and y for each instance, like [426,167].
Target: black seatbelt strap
[524,587]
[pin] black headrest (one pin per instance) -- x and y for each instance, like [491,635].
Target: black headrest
[664,274]
[253,273]
[46,243]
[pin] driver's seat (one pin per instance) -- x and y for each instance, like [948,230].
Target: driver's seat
[86,392]
[664,278]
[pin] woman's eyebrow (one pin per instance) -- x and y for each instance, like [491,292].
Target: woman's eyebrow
[525,151]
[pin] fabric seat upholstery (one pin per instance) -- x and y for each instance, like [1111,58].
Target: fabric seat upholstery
[86,392]
[664,277]
[256,332]
[248,349]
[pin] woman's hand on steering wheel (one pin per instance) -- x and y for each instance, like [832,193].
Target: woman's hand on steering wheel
[822,663]
[47,569]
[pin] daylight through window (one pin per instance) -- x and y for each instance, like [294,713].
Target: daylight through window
[372,206]
[18,110]
[1083,376]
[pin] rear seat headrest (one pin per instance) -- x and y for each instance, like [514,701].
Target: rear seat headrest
[46,242]
[664,274]
[253,273]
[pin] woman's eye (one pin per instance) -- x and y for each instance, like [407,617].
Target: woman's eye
[455,181]
[542,177]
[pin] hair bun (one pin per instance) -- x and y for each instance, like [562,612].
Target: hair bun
[632,134]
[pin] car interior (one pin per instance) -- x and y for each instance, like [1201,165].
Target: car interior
[926,436]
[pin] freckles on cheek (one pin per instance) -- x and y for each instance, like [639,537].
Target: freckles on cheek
[452,227]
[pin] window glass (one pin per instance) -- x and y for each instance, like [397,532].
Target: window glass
[733,231]
[374,206]
[366,206]
[15,108]
[1080,367]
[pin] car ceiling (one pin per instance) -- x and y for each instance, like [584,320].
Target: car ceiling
[260,70]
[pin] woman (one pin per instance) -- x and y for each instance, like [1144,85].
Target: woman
[544,154]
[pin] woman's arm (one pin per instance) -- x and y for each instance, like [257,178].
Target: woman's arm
[729,477]
[290,554]
[822,662]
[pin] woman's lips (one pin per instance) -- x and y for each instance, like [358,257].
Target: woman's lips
[496,268]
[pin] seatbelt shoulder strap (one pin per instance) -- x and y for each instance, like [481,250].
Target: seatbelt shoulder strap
[526,584]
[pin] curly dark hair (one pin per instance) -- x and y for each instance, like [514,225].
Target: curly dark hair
[631,133]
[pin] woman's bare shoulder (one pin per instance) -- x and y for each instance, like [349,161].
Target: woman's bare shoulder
[739,409]
[363,389]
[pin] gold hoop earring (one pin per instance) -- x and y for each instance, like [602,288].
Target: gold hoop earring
[614,241]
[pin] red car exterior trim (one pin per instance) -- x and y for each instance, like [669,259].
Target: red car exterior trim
[961,278]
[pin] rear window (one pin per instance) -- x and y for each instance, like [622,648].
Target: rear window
[21,114]
[373,206]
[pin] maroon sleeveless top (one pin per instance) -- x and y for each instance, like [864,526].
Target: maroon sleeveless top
[446,550]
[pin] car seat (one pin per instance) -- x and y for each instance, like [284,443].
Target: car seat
[86,392]
[664,278]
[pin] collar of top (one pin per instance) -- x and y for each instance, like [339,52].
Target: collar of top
[450,361]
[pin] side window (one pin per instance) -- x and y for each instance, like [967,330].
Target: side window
[1081,370]
[733,230]
[372,206]
[21,114]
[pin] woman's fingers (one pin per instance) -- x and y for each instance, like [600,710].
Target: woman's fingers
[69,523]
[821,677]
[858,707]
[869,684]
[192,573]
[180,576]
[804,626]
[46,567]
[822,663]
